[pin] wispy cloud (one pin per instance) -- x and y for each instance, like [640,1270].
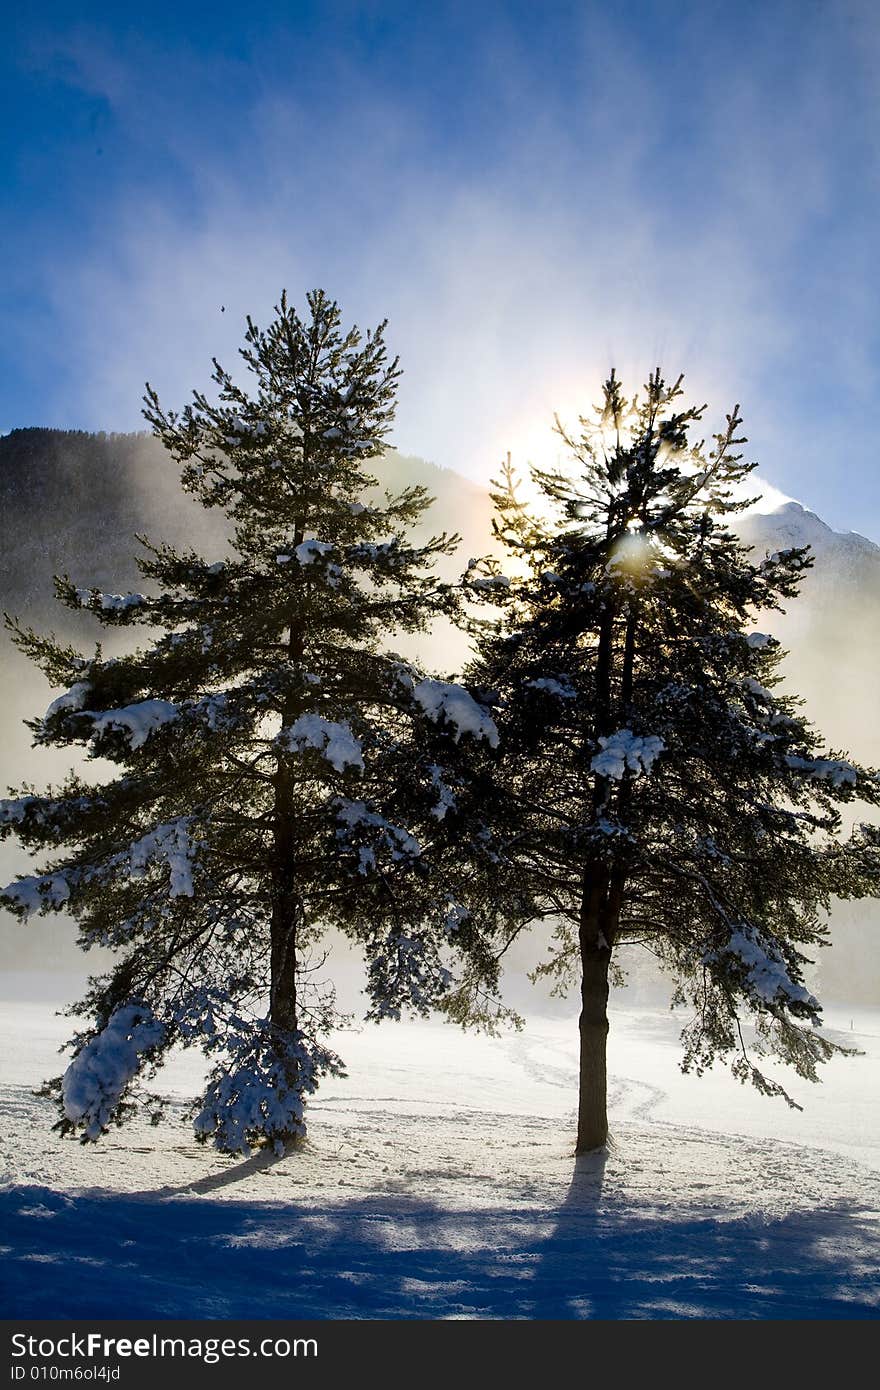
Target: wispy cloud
[689,205]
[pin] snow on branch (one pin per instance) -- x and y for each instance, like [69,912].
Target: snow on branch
[310,551]
[30,813]
[171,842]
[562,687]
[445,796]
[334,741]
[625,750]
[357,821]
[98,1076]
[215,712]
[760,692]
[378,552]
[14,810]
[36,893]
[259,1093]
[73,699]
[308,554]
[489,583]
[483,576]
[136,721]
[766,978]
[792,558]
[834,770]
[109,603]
[444,700]
[454,916]
[405,972]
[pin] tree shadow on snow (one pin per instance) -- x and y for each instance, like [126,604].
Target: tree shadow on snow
[258,1162]
[394,1256]
[615,1260]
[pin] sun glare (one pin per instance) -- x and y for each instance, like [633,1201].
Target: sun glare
[532,441]
[633,553]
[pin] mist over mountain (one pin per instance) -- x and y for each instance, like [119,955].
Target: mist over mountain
[72,502]
[831,629]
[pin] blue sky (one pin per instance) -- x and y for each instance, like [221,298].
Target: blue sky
[529,192]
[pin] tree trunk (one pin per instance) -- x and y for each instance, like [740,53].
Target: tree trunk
[286,904]
[285,912]
[283,938]
[595,950]
[285,921]
[602,895]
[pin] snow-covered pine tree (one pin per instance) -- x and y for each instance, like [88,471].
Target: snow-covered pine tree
[268,780]
[651,783]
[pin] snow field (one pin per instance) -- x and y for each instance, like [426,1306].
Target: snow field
[438,1182]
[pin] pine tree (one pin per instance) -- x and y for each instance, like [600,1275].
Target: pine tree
[651,783]
[269,777]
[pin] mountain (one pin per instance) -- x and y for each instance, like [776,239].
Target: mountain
[792,524]
[831,629]
[72,502]
[831,633]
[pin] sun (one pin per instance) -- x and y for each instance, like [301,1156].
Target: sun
[531,440]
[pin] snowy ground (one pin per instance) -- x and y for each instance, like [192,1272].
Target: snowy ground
[438,1182]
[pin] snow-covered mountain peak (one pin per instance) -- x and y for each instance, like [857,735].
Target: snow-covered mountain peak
[792,524]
